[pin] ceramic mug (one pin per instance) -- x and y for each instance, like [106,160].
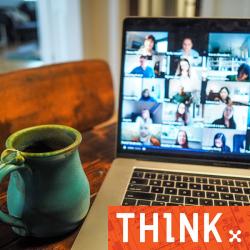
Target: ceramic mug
[48,192]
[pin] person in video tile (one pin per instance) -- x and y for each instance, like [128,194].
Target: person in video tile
[220,143]
[224,96]
[188,79]
[181,96]
[144,118]
[146,137]
[182,114]
[182,139]
[145,96]
[148,47]
[227,119]
[243,73]
[188,52]
[143,69]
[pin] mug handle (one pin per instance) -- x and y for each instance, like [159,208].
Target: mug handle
[11,160]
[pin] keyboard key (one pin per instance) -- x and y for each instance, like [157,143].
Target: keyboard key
[235,203]
[195,186]
[212,195]
[143,203]
[239,197]
[201,180]
[226,196]
[158,190]
[175,177]
[139,181]
[241,184]
[173,204]
[191,201]
[184,192]
[188,178]
[215,181]
[168,183]
[209,187]
[137,174]
[155,183]
[162,177]
[198,193]
[129,202]
[181,185]
[222,189]
[237,190]
[170,191]
[158,203]
[247,190]
[206,202]
[162,197]
[228,182]
[150,175]
[139,195]
[140,188]
[220,203]
[177,199]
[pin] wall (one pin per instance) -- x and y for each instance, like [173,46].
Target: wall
[60,30]
[102,30]
[225,8]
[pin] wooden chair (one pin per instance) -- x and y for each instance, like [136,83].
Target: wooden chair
[77,94]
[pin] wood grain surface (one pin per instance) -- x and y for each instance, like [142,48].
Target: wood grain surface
[77,94]
[97,152]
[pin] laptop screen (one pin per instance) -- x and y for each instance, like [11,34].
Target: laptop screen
[185,88]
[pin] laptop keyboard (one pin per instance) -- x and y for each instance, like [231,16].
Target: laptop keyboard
[160,188]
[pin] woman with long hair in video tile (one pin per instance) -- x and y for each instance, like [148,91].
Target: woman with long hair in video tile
[181,114]
[220,143]
[182,139]
[188,78]
[224,95]
[227,119]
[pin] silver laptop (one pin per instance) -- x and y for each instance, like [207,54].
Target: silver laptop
[184,119]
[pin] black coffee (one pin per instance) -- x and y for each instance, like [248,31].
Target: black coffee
[45,146]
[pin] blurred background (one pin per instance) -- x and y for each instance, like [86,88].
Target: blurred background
[39,32]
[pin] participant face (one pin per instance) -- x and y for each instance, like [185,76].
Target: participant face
[218,143]
[146,93]
[145,114]
[143,62]
[181,108]
[228,112]
[182,138]
[181,89]
[149,44]
[242,76]
[184,65]
[187,45]
[223,94]
[144,131]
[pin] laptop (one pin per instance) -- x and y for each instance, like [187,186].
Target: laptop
[184,119]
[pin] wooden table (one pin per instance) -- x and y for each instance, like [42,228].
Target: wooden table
[97,151]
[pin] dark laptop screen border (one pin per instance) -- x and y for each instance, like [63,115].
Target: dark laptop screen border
[171,24]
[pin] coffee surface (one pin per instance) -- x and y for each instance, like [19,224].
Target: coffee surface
[43,146]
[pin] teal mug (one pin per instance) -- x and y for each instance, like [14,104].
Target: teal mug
[48,192]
